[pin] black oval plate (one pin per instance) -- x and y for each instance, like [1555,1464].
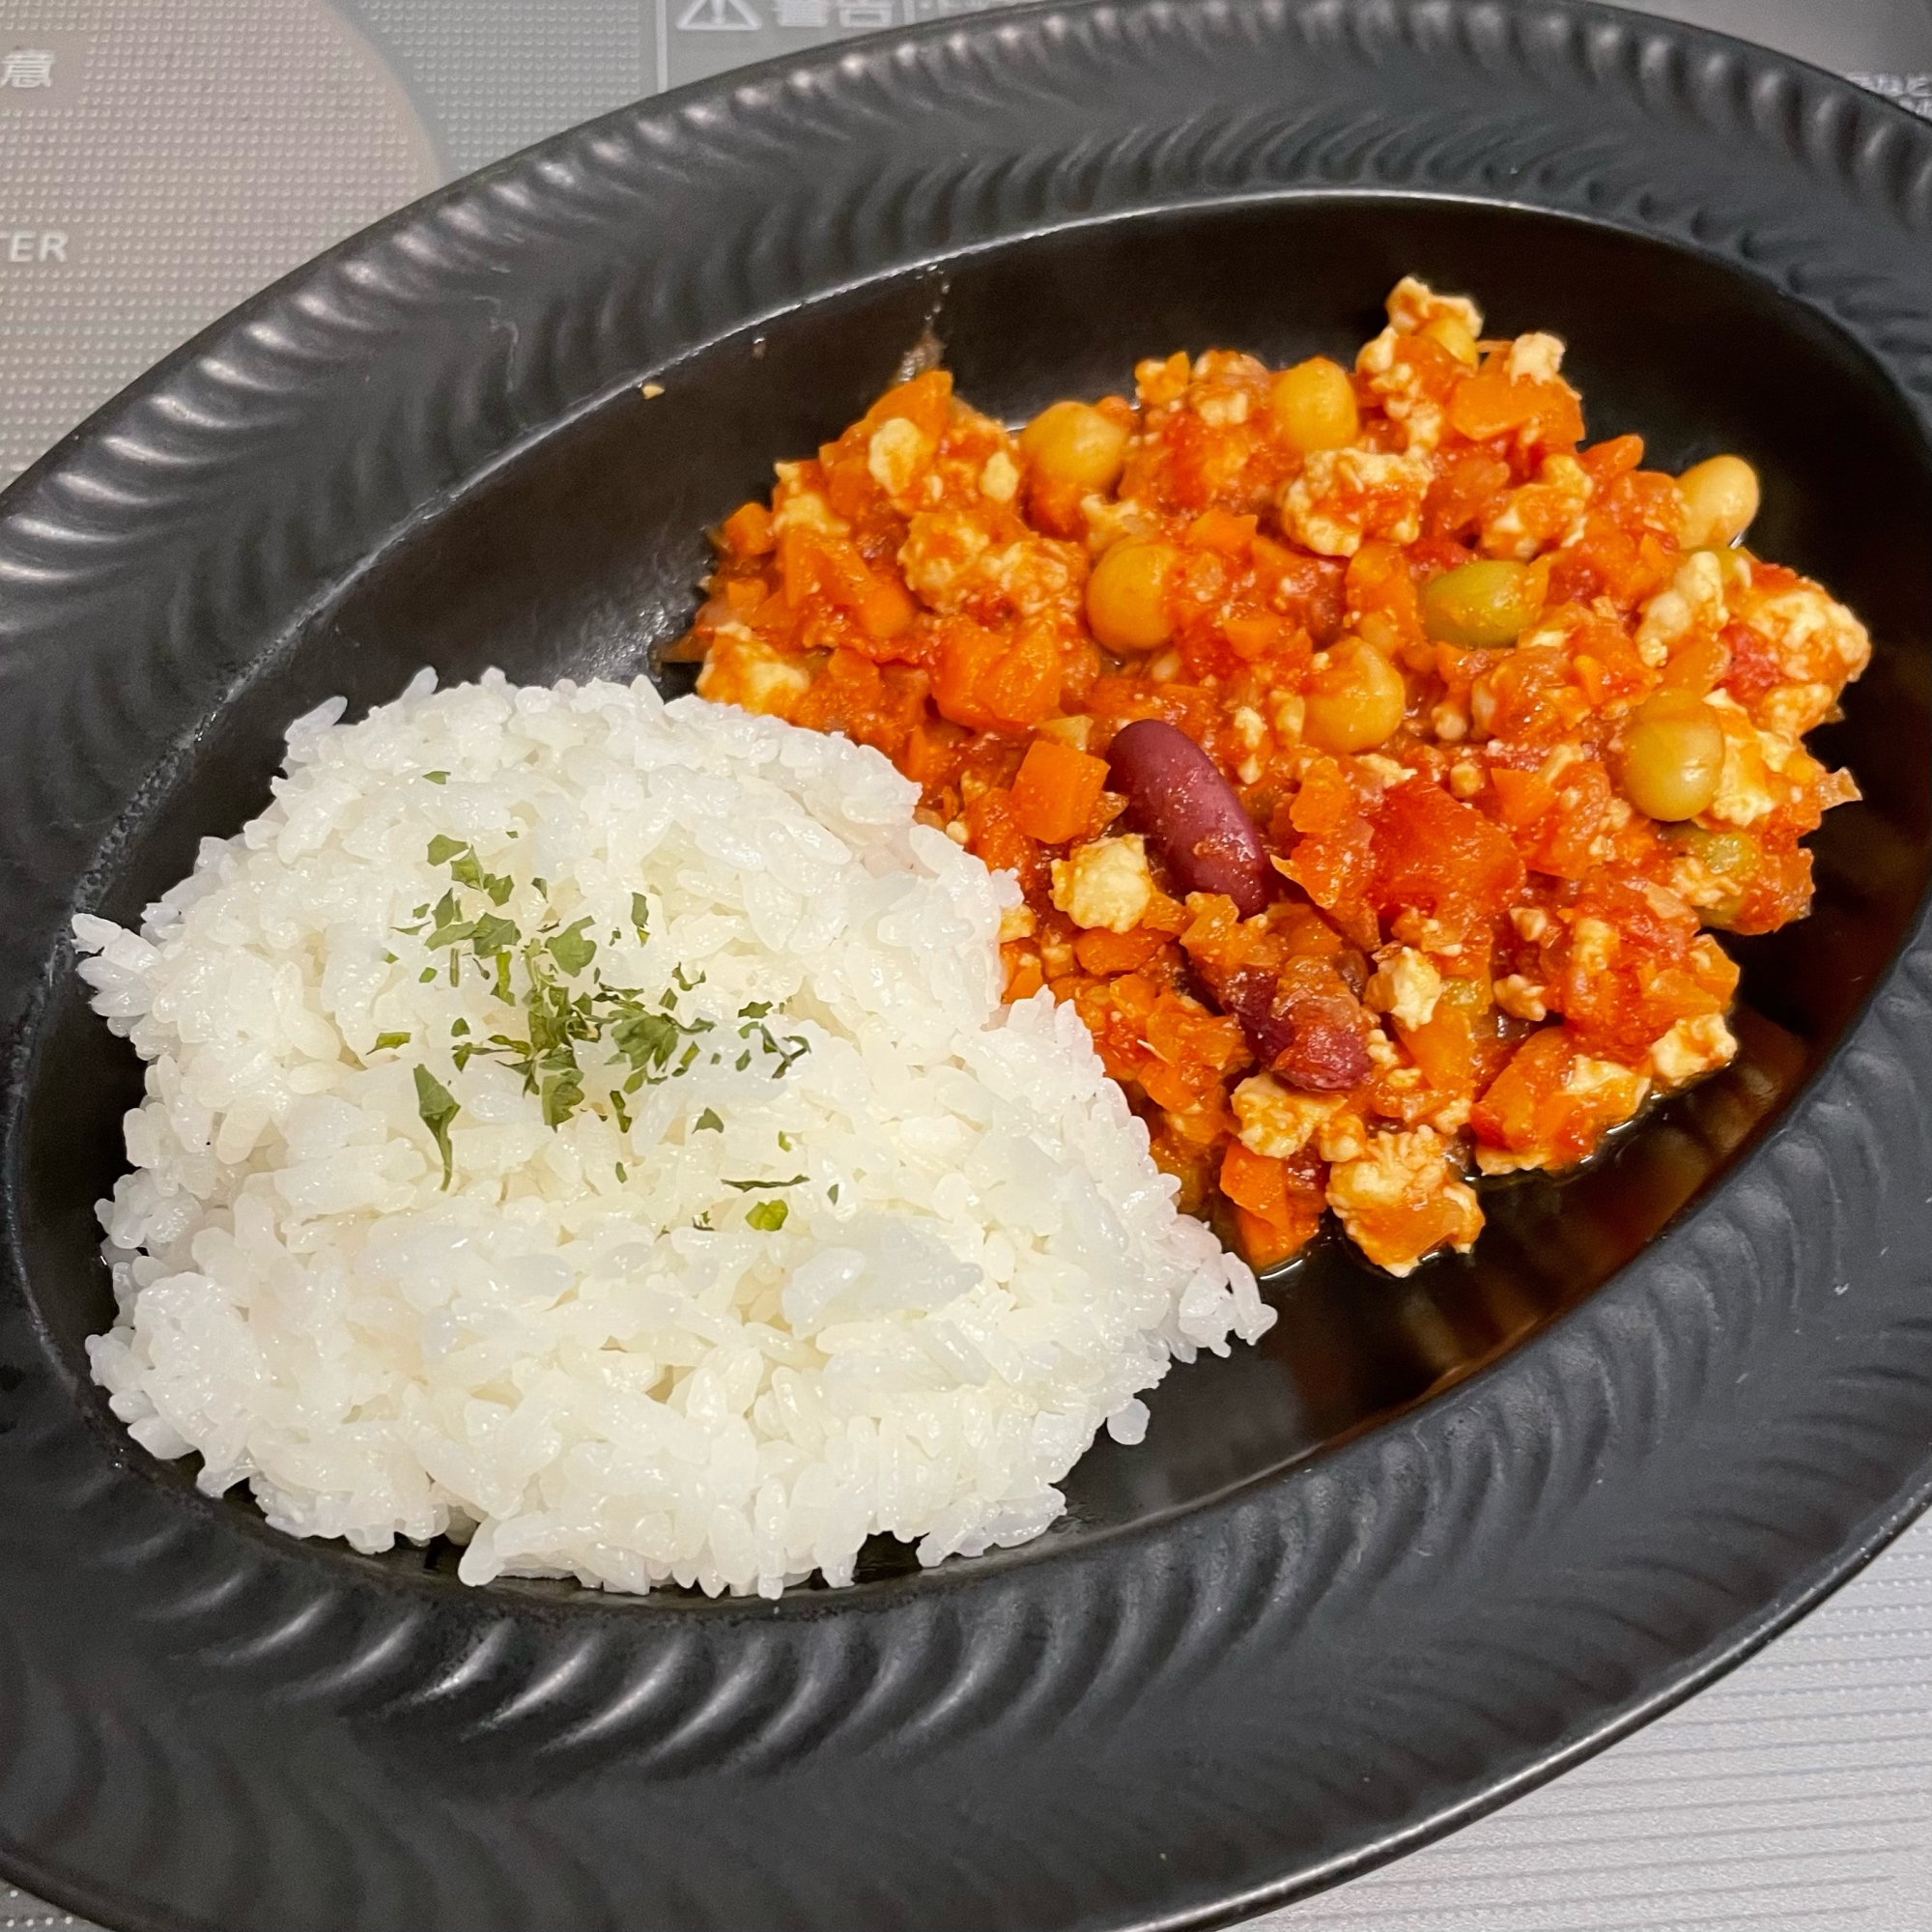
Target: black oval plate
[1226,1681]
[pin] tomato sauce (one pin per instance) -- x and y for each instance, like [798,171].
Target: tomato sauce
[1515,722]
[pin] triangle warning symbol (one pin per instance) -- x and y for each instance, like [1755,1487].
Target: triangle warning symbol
[718,17]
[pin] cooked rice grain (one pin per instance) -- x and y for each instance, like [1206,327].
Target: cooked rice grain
[592,1355]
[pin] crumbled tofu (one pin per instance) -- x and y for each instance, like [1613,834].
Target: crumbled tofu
[1745,793]
[1400,1199]
[1402,391]
[1034,574]
[1550,510]
[1493,1161]
[1341,1136]
[1559,761]
[796,508]
[1056,953]
[1377,354]
[741,668]
[1690,1048]
[1427,933]
[1221,407]
[1290,712]
[1342,495]
[1536,358]
[1109,521]
[1531,922]
[938,556]
[1693,600]
[1521,999]
[1615,1091]
[1412,305]
[1450,719]
[1017,921]
[1663,901]
[898,451]
[1000,479]
[1593,945]
[1077,730]
[1406,987]
[1106,884]
[1250,727]
[1381,1048]
[1695,884]
[1276,1121]
[1813,636]
[1466,779]
[1793,709]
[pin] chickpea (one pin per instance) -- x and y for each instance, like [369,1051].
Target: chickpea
[1721,498]
[1673,757]
[1729,855]
[1481,605]
[1127,596]
[1073,446]
[1452,332]
[1313,406]
[1356,702]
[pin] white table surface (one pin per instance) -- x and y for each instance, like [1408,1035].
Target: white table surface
[1798,1791]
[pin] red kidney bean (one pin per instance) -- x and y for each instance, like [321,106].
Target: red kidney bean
[1311,1035]
[1190,811]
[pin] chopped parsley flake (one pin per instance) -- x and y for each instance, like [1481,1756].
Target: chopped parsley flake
[569,948]
[560,1018]
[384,1040]
[708,1122]
[767,1217]
[437,1109]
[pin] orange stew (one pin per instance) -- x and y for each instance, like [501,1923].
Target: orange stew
[1510,722]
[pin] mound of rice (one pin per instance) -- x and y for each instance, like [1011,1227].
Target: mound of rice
[804,1236]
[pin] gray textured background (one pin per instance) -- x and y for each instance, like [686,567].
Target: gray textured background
[187,152]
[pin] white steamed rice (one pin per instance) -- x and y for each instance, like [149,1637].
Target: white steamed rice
[565,1369]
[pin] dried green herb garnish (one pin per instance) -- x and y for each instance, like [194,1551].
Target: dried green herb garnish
[437,1109]
[561,1015]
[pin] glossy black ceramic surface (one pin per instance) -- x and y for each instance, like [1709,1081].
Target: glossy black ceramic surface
[1430,1541]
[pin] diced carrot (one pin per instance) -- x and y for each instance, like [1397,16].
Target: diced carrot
[745,593]
[1276,1209]
[991,834]
[926,401]
[1025,976]
[1102,952]
[1254,1182]
[1266,1244]
[1521,797]
[1491,404]
[1056,791]
[1222,530]
[748,530]
[1254,633]
[1608,460]
[990,681]
[1443,1047]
